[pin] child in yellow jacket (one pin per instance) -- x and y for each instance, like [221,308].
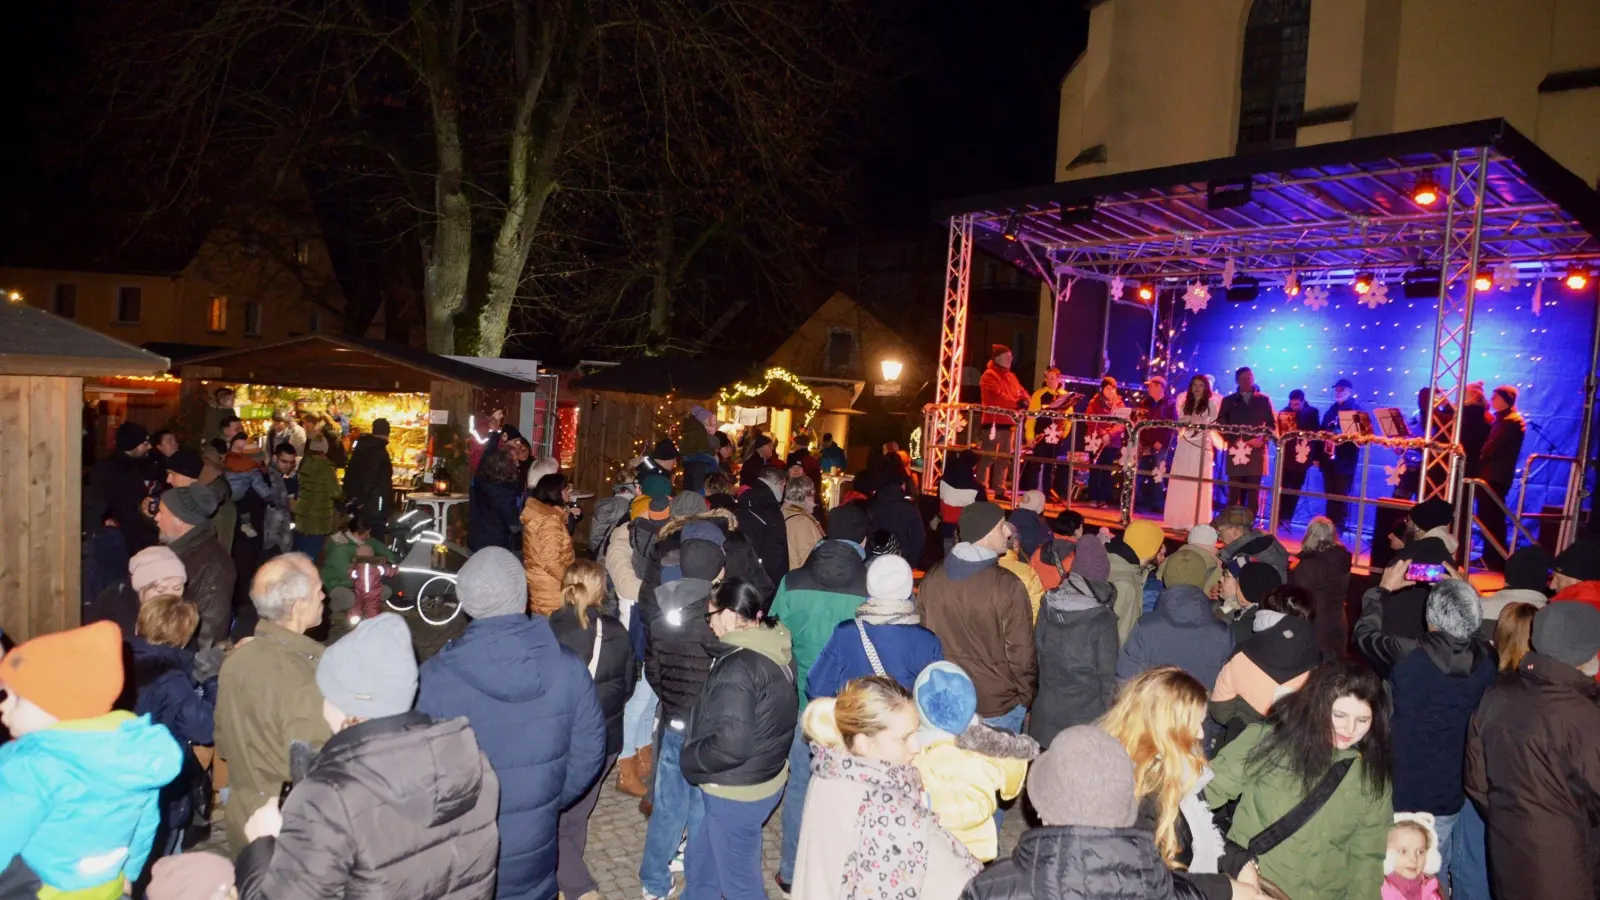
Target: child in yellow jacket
[967,767]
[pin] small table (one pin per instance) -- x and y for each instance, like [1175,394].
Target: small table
[440,507]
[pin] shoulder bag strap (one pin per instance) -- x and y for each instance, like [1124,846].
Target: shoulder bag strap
[594,655]
[1303,812]
[872,652]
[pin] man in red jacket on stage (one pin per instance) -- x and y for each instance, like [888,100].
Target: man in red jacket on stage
[999,387]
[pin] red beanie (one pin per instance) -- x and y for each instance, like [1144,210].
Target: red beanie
[74,674]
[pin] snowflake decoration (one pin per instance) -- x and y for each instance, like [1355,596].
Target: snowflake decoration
[956,427]
[1196,297]
[1052,435]
[1240,453]
[1316,297]
[1394,473]
[1116,288]
[1538,297]
[1160,474]
[1376,297]
[1130,456]
[1228,272]
[1506,275]
[1302,454]
[1093,443]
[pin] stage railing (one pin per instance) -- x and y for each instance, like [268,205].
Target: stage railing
[1466,517]
[966,431]
[1527,478]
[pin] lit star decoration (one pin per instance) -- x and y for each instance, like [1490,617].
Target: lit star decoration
[955,428]
[1240,453]
[1116,288]
[1376,297]
[1052,435]
[1506,275]
[732,394]
[1394,473]
[1196,297]
[1316,297]
[1302,453]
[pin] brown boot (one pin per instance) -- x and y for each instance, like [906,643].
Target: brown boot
[646,762]
[628,780]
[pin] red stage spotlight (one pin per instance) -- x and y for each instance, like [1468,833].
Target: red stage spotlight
[1426,191]
[1577,279]
[1483,281]
[1363,282]
[1013,226]
[1146,293]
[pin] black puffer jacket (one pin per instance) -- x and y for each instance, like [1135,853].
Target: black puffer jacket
[740,730]
[892,511]
[761,522]
[614,673]
[397,808]
[1081,863]
[678,644]
[369,478]
[1076,639]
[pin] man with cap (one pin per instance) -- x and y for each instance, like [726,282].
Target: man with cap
[1236,528]
[1577,572]
[757,461]
[267,695]
[532,706]
[1339,469]
[1182,630]
[398,804]
[998,387]
[118,486]
[1429,539]
[1297,416]
[1498,467]
[183,521]
[661,460]
[1246,406]
[369,478]
[760,515]
[152,572]
[79,783]
[1155,444]
[1436,682]
[1244,586]
[980,611]
[1533,762]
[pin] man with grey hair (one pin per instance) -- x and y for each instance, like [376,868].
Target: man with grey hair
[267,695]
[760,514]
[1437,681]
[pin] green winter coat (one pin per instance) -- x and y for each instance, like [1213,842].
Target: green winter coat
[1338,855]
[1128,579]
[314,512]
[337,556]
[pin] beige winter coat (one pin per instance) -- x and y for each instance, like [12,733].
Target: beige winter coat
[803,532]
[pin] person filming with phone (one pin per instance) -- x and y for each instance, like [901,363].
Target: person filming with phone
[1428,538]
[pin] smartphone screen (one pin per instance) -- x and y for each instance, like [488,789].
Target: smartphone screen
[1426,573]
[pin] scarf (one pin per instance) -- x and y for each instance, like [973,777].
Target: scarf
[1408,888]
[893,826]
[888,612]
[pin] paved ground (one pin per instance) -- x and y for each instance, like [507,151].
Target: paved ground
[616,842]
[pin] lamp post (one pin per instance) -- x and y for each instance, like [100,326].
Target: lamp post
[892,369]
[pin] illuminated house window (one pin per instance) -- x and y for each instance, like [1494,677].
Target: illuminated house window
[217,315]
[1272,82]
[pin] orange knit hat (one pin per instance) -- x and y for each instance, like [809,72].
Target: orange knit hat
[74,674]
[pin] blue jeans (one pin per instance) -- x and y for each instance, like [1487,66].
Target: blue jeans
[794,802]
[679,805]
[639,717]
[309,544]
[1465,856]
[1011,721]
[724,855]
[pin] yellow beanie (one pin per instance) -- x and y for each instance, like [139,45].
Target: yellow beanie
[1144,538]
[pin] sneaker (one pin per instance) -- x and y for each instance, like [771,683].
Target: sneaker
[650,896]
[784,886]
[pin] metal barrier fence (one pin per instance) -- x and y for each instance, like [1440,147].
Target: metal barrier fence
[956,427]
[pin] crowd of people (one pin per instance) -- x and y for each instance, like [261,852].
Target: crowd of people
[1191,718]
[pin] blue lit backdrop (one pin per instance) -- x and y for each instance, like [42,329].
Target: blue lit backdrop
[1388,353]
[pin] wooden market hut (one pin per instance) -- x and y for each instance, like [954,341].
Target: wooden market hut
[44,360]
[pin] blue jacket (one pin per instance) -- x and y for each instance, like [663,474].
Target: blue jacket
[165,691]
[78,802]
[1182,632]
[904,651]
[832,458]
[532,705]
[495,519]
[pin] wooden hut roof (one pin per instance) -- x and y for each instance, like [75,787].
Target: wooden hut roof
[344,362]
[660,375]
[36,342]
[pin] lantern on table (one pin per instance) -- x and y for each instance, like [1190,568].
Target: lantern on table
[441,481]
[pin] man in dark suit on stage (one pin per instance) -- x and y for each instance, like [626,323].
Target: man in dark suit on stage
[1339,467]
[1246,406]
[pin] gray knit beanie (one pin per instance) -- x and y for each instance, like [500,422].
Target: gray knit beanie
[193,505]
[688,504]
[1568,631]
[1086,779]
[372,671]
[1455,609]
[492,583]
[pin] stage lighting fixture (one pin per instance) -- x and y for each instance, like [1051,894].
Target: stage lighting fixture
[1291,284]
[1244,289]
[1421,283]
[1077,212]
[1483,281]
[1363,282]
[1146,293]
[1577,279]
[1228,193]
[1013,226]
[1426,191]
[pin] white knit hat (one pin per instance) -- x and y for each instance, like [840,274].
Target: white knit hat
[889,578]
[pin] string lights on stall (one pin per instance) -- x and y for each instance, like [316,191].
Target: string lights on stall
[663,424]
[735,392]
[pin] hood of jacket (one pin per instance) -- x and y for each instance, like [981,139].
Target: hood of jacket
[1429,548]
[676,597]
[722,518]
[117,752]
[431,771]
[1080,861]
[833,566]
[1284,651]
[1185,605]
[774,643]
[1077,594]
[152,659]
[503,656]
[967,559]
[1453,656]
[1252,543]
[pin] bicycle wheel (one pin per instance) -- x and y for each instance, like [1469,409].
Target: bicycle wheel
[440,607]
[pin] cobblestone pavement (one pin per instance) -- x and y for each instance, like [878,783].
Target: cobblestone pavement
[616,843]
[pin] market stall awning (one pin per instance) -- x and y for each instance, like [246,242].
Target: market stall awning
[1335,206]
[343,362]
[35,342]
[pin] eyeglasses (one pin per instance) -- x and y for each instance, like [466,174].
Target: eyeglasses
[710,614]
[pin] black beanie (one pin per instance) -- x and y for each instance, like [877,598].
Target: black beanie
[185,462]
[849,522]
[700,559]
[1256,580]
[130,435]
[1431,514]
[1581,560]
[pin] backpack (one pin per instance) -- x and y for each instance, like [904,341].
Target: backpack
[641,535]
[608,514]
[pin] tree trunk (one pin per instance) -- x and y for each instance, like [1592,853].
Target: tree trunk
[448,260]
[661,285]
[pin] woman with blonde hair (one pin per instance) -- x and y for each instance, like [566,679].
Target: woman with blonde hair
[1513,634]
[1324,570]
[1158,718]
[866,805]
[601,641]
